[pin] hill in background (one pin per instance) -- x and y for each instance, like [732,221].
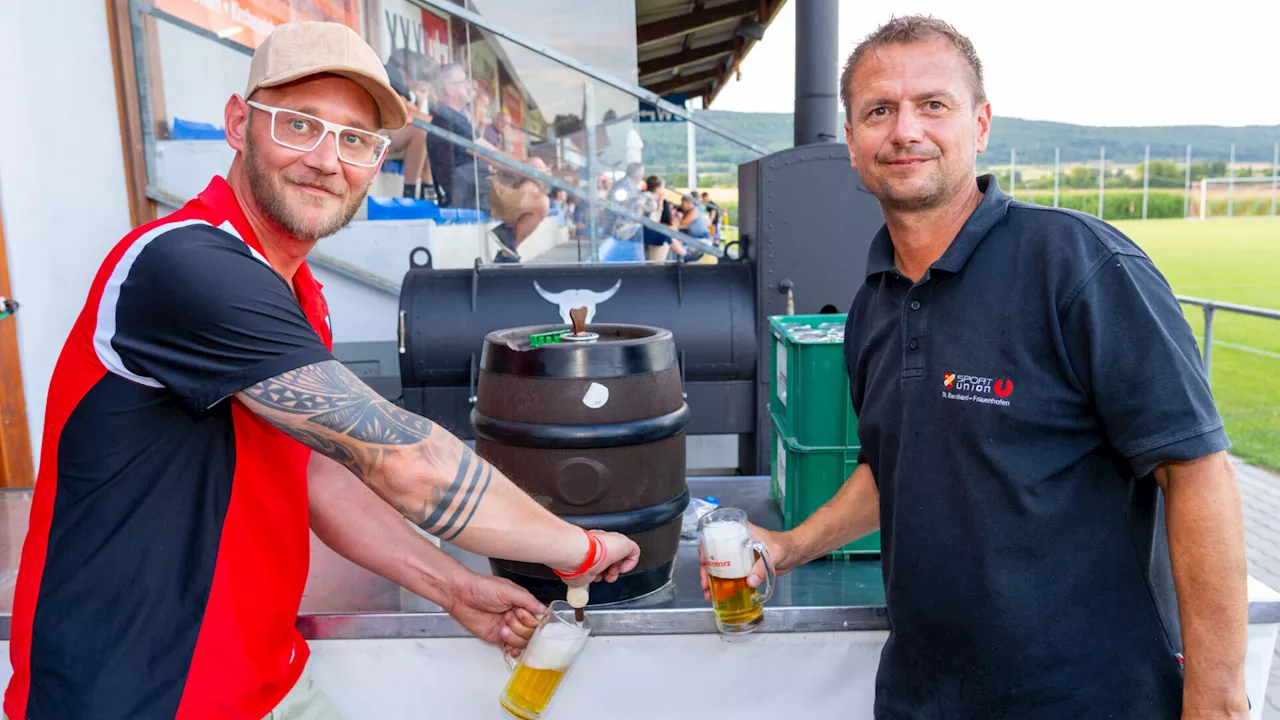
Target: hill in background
[665,149]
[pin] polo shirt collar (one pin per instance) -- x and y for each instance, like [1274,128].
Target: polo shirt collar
[219,197]
[991,210]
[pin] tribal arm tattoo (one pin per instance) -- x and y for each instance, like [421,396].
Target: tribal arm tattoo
[325,407]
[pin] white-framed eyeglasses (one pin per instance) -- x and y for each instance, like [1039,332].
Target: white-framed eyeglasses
[300,131]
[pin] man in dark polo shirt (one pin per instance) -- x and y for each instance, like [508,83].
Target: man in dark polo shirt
[1040,449]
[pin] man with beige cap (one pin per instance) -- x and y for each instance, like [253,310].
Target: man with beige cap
[198,425]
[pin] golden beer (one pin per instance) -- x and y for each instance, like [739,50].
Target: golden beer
[728,552]
[542,667]
[735,602]
[529,691]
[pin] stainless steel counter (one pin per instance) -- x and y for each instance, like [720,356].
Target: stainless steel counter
[343,601]
[346,602]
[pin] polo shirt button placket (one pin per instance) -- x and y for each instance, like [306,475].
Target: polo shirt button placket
[912,362]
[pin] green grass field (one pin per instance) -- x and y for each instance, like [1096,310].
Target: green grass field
[1235,260]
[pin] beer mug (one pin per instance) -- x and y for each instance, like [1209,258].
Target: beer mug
[729,552]
[544,663]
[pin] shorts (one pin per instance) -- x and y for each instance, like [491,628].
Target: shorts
[504,203]
[653,238]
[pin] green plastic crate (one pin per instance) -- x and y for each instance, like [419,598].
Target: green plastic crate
[809,385]
[804,478]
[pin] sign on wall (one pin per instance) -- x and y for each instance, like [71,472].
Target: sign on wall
[436,37]
[249,22]
[405,26]
[650,113]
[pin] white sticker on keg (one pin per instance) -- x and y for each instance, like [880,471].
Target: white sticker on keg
[781,380]
[597,395]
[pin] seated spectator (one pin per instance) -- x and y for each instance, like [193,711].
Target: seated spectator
[520,204]
[559,205]
[715,216]
[655,243]
[480,117]
[408,73]
[693,221]
[450,162]
[496,132]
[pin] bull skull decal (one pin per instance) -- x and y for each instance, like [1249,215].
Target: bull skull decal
[569,299]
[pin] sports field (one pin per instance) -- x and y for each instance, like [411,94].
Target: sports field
[1236,260]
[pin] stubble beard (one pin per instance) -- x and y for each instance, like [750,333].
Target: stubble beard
[269,196]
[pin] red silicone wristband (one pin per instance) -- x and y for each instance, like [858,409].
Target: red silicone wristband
[586,564]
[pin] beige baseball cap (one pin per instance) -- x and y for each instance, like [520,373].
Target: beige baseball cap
[297,50]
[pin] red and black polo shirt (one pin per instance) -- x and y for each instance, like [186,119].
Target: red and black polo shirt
[168,543]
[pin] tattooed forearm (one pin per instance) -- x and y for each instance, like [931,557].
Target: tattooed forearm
[325,407]
[488,475]
[323,445]
[433,511]
[330,396]
[450,528]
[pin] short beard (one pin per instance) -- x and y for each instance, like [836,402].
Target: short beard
[928,200]
[936,194]
[270,199]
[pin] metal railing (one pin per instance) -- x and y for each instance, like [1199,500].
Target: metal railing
[1210,307]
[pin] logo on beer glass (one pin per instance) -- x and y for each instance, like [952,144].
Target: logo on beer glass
[728,553]
[543,665]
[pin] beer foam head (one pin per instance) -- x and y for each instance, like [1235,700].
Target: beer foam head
[554,647]
[725,545]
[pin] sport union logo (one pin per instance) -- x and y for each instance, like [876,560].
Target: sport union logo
[1001,387]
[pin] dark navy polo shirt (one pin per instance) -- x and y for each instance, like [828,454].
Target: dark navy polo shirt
[1012,405]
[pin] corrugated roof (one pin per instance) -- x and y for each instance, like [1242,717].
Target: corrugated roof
[694,46]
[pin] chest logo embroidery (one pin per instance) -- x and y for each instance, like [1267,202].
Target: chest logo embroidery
[976,388]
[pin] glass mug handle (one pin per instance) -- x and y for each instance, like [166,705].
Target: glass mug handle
[510,661]
[770,580]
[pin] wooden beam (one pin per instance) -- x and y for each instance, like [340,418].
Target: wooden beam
[655,32]
[771,8]
[142,209]
[658,65]
[15,441]
[682,82]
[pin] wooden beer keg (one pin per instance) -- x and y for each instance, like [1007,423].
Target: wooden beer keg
[591,425]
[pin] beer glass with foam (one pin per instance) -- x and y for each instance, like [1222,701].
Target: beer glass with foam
[544,663]
[728,553]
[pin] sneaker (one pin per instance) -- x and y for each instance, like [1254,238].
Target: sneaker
[506,237]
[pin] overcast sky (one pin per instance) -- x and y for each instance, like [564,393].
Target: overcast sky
[1090,62]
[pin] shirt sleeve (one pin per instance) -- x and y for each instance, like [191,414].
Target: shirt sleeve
[195,312]
[1131,349]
